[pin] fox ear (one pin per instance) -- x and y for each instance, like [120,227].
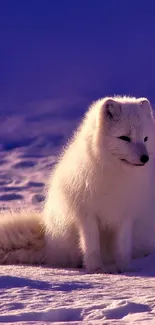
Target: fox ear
[112,109]
[144,101]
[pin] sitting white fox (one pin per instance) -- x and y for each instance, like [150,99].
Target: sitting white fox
[98,208]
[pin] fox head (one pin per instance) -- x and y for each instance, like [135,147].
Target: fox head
[126,130]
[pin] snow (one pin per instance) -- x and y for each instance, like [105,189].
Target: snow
[30,142]
[30,294]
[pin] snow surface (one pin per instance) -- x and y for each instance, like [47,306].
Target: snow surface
[29,143]
[60,296]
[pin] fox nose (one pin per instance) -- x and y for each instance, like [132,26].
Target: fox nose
[144,159]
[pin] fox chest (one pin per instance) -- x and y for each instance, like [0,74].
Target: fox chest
[122,199]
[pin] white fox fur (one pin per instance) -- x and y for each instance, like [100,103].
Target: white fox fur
[21,238]
[99,202]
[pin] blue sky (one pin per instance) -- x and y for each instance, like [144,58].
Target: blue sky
[50,49]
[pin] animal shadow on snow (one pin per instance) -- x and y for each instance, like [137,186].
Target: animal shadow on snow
[9,282]
[59,314]
[142,267]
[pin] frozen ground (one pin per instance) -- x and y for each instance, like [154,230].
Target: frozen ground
[37,294]
[29,143]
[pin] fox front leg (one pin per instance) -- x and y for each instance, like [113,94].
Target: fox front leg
[90,246]
[123,246]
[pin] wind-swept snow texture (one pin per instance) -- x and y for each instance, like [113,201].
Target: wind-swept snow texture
[60,296]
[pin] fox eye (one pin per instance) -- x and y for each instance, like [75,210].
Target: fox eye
[145,139]
[124,138]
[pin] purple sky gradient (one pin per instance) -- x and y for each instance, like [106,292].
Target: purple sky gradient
[56,49]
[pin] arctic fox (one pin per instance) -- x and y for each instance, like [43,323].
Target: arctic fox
[98,207]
